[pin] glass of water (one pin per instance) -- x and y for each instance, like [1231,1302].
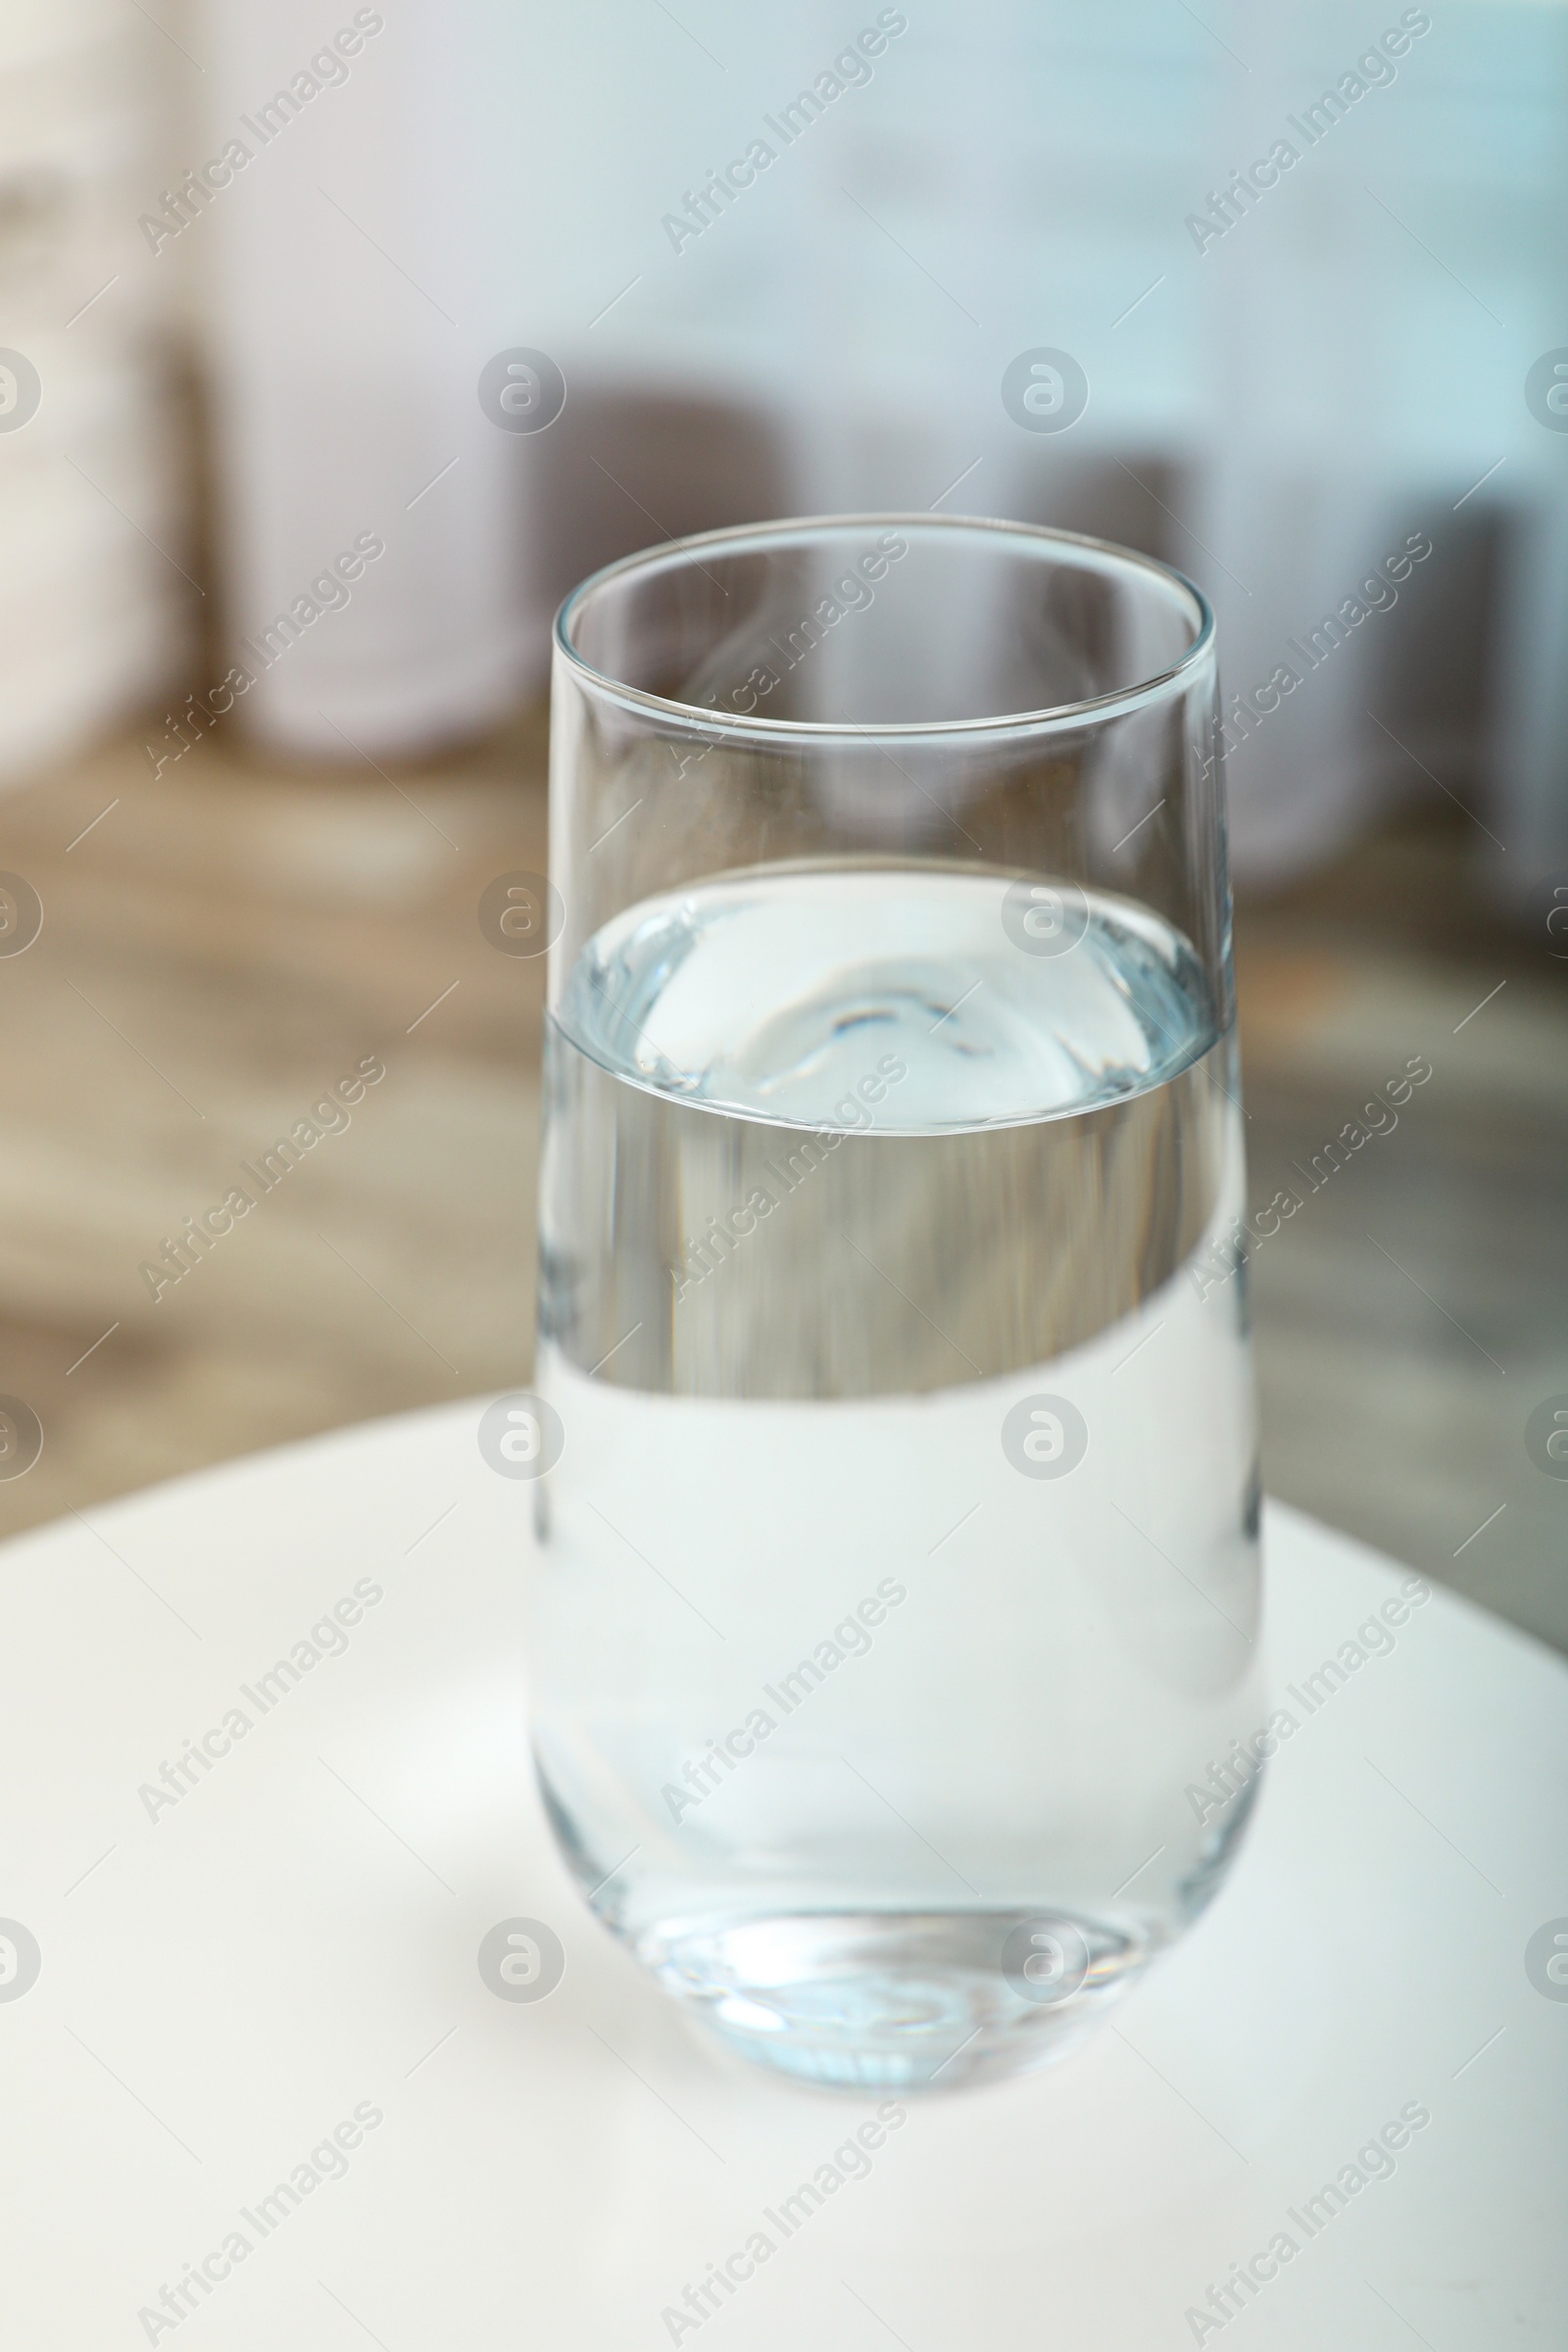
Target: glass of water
[894,1690]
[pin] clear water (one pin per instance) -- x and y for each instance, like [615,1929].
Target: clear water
[844,1680]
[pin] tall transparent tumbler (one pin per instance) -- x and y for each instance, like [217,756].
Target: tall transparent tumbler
[896,1695]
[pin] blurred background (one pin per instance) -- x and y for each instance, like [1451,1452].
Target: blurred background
[281,541]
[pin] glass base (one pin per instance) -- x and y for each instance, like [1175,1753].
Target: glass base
[905,2001]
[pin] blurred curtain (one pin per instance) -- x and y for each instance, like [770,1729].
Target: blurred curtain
[356,271]
[95,600]
[1335,369]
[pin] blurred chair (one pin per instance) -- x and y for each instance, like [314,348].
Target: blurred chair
[1371,329]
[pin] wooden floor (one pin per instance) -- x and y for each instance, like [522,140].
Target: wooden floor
[227,941]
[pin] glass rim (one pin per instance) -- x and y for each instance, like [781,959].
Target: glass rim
[1054,719]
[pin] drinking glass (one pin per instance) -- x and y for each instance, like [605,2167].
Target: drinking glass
[896,1693]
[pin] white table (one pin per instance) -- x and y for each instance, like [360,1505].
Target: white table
[295,1939]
